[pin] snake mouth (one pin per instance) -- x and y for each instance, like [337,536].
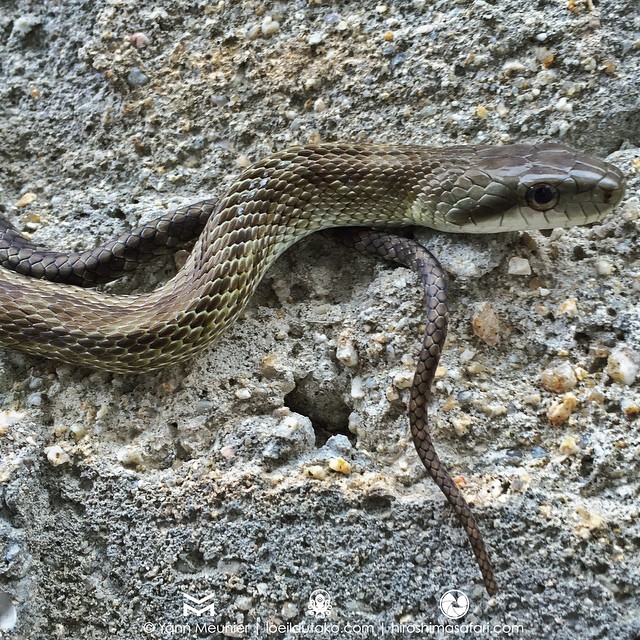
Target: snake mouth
[521,215]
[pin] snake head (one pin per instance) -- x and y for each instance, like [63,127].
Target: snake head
[517,187]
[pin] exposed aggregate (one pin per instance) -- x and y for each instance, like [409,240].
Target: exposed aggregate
[280,462]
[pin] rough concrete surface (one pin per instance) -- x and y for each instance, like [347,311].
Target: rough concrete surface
[121,493]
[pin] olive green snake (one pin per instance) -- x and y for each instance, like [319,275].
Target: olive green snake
[273,204]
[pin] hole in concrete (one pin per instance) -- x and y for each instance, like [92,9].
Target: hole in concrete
[579,253]
[323,405]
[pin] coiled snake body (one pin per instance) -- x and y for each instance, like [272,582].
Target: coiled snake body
[273,204]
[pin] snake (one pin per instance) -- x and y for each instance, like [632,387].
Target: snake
[49,310]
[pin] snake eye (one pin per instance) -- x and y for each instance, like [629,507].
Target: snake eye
[542,197]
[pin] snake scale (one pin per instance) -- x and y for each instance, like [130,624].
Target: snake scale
[273,204]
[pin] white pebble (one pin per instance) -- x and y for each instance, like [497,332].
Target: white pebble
[519,267]
[407,359]
[8,613]
[319,105]
[24,24]
[34,399]
[559,379]
[316,471]
[604,267]
[512,67]
[269,26]
[467,355]
[244,603]
[564,105]
[391,394]
[569,308]
[243,394]
[357,388]
[403,379]
[560,127]
[9,418]
[622,365]
[346,352]
[560,411]
[546,77]
[493,409]
[129,457]
[102,411]
[340,465]
[56,455]
[569,446]
[355,422]
[315,38]
[78,431]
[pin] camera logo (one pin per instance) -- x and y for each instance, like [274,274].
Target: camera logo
[454,604]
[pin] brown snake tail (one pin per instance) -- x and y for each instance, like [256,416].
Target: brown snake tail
[272,205]
[413,255]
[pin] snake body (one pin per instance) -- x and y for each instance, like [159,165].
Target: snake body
[273,204]
[280,200]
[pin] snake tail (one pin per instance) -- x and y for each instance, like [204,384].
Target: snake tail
[410,254]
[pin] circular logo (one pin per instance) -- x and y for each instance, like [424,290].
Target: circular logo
[320,603]
[454,604]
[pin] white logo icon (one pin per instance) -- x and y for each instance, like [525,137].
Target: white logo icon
[454,604]
[320,603]
[208,608]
